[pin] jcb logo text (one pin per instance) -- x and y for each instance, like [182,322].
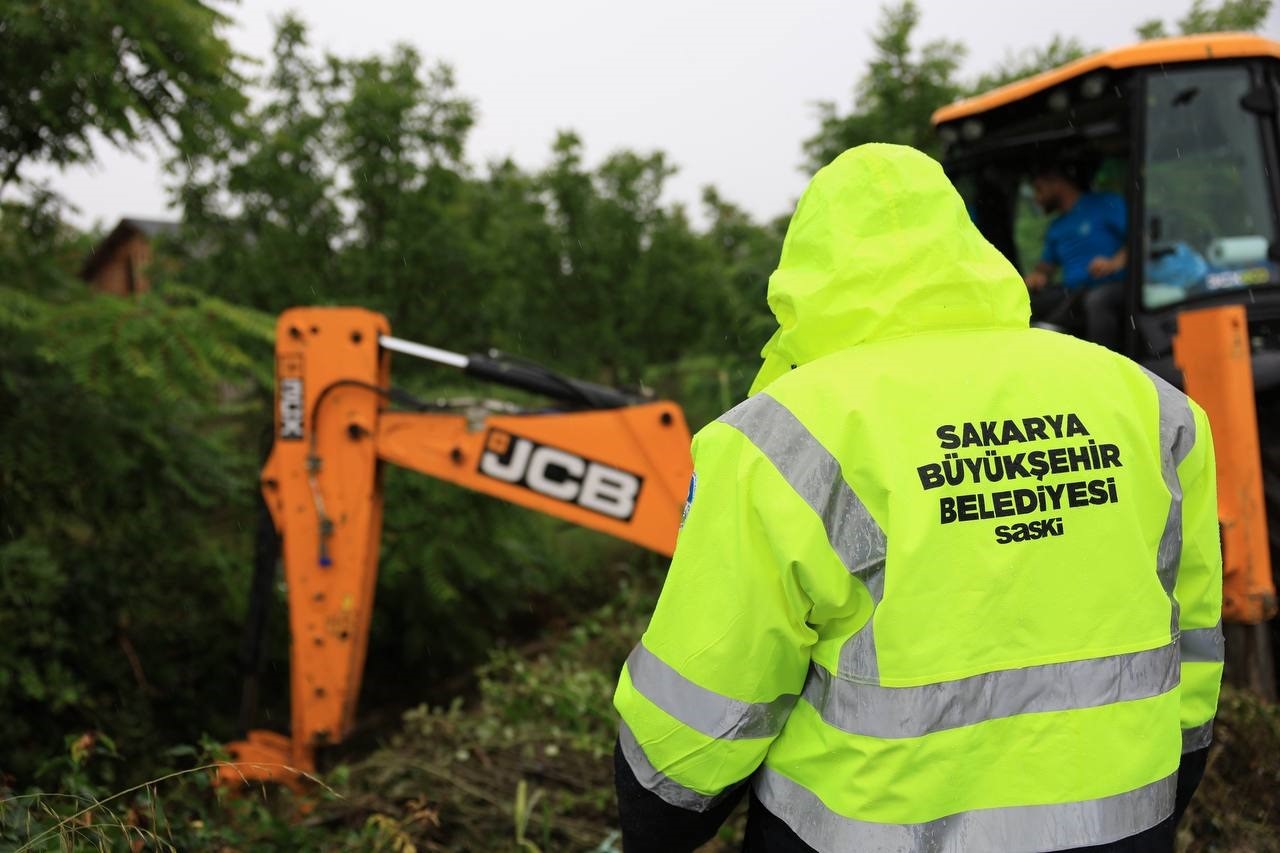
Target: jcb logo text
[560,475]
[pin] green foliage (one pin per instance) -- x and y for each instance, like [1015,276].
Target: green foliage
[1151,29]
[637,269]
[122,593]
[37,248]
[459,572]
[1059,51]
[179,809]
[1227,16]
[276,246]
[1030,225]
[902,87]
[345,186]
[349,184]
[542,722]
[70,68]
[747,253]
[124,590]
[897,94]
[126,467]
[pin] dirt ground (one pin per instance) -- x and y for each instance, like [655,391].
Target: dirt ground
[525,762]
[1237,808]
[474,781]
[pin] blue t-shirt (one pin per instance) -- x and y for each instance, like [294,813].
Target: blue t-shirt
[1094,227]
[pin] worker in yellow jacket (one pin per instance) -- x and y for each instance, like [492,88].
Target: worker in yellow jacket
[945,582]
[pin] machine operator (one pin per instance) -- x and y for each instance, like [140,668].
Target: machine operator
[1086,243]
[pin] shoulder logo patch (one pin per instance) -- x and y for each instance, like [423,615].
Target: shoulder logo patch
[688,501]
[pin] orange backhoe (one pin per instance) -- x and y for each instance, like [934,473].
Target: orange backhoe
[602,458]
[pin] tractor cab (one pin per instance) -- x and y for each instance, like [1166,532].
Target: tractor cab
[1185,132]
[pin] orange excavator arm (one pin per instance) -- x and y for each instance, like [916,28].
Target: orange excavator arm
[604,459]
[1212,350]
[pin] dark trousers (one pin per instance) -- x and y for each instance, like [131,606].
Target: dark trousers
[1095,313]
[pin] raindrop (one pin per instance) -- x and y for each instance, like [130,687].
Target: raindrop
[1132,323]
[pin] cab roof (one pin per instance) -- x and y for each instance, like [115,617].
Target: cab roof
[1154,52]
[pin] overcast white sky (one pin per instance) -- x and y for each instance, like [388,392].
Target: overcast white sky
[725,88]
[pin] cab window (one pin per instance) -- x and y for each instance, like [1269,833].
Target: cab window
[1209,215]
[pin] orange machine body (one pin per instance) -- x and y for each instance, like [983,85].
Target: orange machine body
[1212,351]
[622,471]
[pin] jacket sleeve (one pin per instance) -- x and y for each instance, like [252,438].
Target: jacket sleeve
[715,676]
[1198,590]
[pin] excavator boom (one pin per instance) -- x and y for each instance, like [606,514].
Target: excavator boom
[603,459]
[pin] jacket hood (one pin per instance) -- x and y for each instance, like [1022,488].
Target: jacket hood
[881,246]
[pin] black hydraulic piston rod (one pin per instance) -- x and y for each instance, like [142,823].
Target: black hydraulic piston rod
[525,376]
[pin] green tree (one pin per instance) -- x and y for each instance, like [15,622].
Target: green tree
[261,222]
[1227,16]
[897,94]
[37,247]
[641,285]
[747,254]
[399,138]
[521,255]
[1059,51]
[127,71]
[348,184]
[127,440]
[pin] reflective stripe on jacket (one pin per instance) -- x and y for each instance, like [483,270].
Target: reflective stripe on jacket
[947,582]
